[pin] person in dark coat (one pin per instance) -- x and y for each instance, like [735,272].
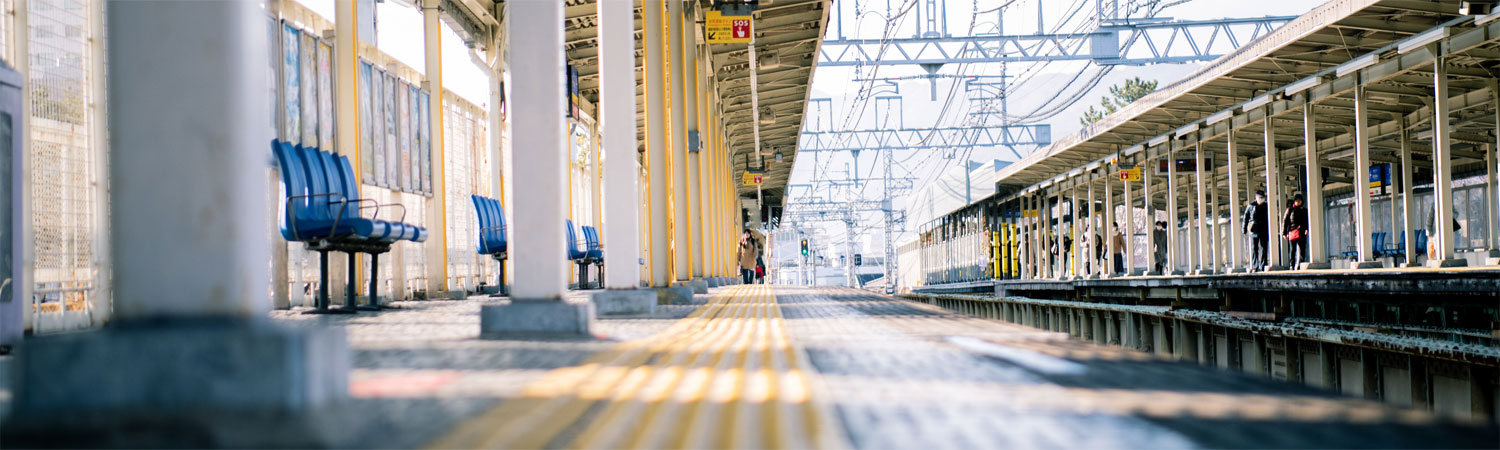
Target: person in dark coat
[1257,230]
[1294,224]
[1159,246]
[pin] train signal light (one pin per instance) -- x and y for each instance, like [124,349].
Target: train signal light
[804,247]
[859,260]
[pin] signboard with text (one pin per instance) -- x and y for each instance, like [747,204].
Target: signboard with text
[753,179]
[1130,174]
[722,29]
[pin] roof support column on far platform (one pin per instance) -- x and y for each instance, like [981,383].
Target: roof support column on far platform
[1273,196]
[437,247]
[1363,224]
[677,157]
[1215,243]
[1075,230]
[1442,166]
[1408,199]
[1129,222]
[617,123]
[1492,184]
[1109,221]
[1236,221]
[1147,174]
[1205,261]
[190,271]
[654,67]
[537,304]
[1317,253]
[1174,257]
[1091,231]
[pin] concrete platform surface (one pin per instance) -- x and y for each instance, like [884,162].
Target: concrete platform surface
[768,366]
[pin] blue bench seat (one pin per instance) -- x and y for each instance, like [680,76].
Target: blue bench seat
[492,233]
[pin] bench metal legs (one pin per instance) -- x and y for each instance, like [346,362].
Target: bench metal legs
[374,303]
[500,281]
[349,299]
[320,305]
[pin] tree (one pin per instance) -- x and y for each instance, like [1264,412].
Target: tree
[1119,96]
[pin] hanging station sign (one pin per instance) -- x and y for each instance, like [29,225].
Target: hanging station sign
[722,29]
[753,178]
[1130,174]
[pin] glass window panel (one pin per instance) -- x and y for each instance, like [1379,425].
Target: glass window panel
[325,94]
[291,92]
[307,68]
[377,125]
[426,132]
[392,160]
[366,127]
[403,131]
[414,137]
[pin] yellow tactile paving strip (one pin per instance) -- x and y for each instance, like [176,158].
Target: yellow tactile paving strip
[723,377]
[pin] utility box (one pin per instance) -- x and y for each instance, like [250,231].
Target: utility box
[15,288]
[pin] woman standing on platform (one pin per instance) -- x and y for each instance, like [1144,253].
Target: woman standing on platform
[1294,224]
[747,254]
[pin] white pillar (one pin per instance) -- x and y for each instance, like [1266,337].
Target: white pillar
[1090,231]
[1109,224]
[1147,173]
[617,124]
[1492,185]
[693,83]
[654,65]
[540,158]
[677,138]
[1408,200]
[436,246]
[1363,225]
[1205,261]
[178,172]
[1075,229]
[1173,255]
[1215,237]
[1273,196]
[1317,251]
[1129,222]
[1442,165]
[1236,203]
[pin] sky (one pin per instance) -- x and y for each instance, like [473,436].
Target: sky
[1036,86]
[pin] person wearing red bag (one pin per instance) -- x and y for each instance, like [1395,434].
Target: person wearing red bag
[1294,221]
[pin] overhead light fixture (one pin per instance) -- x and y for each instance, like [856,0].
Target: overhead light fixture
[1256,103]
[1219,116]
[1421,40]
[768,60]
[1185,130]
[778,157]
[1356,64]
[1308,83]
[767,116]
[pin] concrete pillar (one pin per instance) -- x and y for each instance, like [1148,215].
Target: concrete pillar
[654,66]
[1317,251]
[1147,174]
[536,62]
[1492,184]
[1129,222]
[1173,256]
[617,124]
[436,247]
[1408,200]
[1075,229]
[1090,230]
[677,159]
[1109,224]
[1205,261]
[1215,241]
[693,86]
[1236,203]
[1192,227]
[1363,224]
[1273,196]
[179,177]
[1442,167]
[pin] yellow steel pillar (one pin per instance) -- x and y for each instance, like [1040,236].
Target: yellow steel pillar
[677,156]
[693,85]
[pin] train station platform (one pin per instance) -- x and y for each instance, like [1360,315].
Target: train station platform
[791,367]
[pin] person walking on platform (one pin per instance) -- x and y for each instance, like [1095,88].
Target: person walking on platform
[1257,227]
[747,254]
[1117,244]
[1159,242]
[1294,224]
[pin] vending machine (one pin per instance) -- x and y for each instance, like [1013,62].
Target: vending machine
[14,287]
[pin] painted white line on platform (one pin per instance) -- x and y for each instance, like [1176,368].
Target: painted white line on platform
[1025,358]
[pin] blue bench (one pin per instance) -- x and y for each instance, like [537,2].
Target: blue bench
[592,252]
[323,211]
[492,237]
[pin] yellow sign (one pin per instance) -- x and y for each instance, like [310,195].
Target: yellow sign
[721,29]
[1131,174]
[753,179]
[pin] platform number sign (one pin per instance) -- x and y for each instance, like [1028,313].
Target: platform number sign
[722,29]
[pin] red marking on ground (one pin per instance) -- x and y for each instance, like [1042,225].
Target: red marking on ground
[401,385]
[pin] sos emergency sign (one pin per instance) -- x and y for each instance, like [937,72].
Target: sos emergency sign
[722,29]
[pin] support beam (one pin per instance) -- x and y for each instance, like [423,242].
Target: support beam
[1317,252]
[437,247]
[655,70]
[617,124]
[692,135]
[1410,219]
[1363,223]
[1236,221]
[537,304]
[1273,198]
[1173,256]
[1442,161]
[677,156]
[1205,260]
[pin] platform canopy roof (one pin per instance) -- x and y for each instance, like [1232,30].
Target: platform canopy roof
[1330,35]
